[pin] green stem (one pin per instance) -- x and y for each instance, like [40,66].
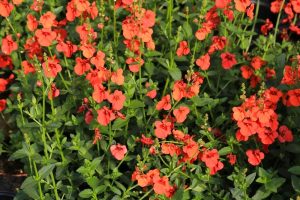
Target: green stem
[254,23]
[278,21]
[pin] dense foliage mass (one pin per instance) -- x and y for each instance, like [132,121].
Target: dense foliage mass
[134,99]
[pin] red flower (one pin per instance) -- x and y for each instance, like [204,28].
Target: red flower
[231,158]
[8,45]
[255,156]
[82,5]
[151,94]
[88,117]
[3,84]
[45,36]
[32,22]
[2,104]
[162,129]
[161,185]
[183,49]
[250,10]
[296,5]
[210,157]
[82,65]
[222,3]
[181,113]
[117,100]
[241,5]
[88,50]
[164,103]
[98,60]
[27,67]
[247,71]
[203,62]
[275,6]
[53,92]
[134,64]
[147,141]
[105,116]
[191,149]
[285,134]
[67,48]
[118,151]
[97,136]
[47,19]
[170,149]
[117,77]
[266,27]
[99,93]
[5,8]
[228,60]
[51,67]
[179,90]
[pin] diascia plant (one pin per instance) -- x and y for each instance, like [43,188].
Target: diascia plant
[133,99]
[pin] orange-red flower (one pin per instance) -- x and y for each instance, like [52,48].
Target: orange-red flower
[105,116]
[203,62]
[242,5]
[67,48]
[231,158]
[82,66]
[47,20]
[183,49]
[32,22]
[53,92]
[117,77]
[45,36]
[97,136]
[164,103]
[181,113]
[3,84]
[285,134]
[98,60]
[2,104]
[222,3]
[161,185]
[87,49]
[99,93]
[117,100]
[8,45]
[118,151]
[27,67]
[5,8]
[255,156]
[51,67]
[162,129]
[228,60]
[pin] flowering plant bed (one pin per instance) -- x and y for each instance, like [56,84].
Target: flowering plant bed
[132,99]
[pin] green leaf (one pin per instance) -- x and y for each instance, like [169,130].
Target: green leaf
[188,32]
[175,73]
[119,123]
[136,104]
[18,154]
[116,190]
[29,186]
[100,189]
[46,170]
[178,195]
[295,170]
[153,53]
[93,182]
[296,183]
[274,184]
[87,193]
[200,102]
[225,151]
[261,193]
[250,178]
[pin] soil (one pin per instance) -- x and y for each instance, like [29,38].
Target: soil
[11,177]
